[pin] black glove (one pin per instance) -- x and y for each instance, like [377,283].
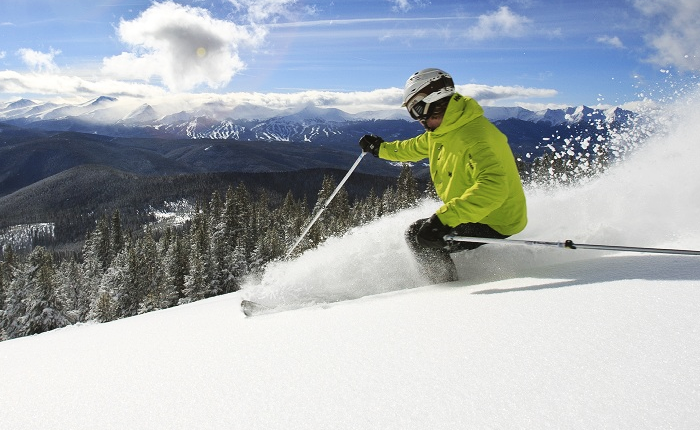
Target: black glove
[371,143]
[432,232]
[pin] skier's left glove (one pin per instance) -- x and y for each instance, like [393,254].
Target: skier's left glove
[432,232]
[371,143]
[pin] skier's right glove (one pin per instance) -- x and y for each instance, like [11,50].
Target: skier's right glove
[432,232]
[371,143]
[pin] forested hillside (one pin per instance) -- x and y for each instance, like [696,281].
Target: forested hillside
[121,273]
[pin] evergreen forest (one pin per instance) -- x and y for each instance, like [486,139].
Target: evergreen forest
[228,238]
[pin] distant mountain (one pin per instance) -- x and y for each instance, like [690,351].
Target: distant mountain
[144,114]
[554,117]
[107,116]
[31,156]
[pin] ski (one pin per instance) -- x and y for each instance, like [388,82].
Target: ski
[251,308]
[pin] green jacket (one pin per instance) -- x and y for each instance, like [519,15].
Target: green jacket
[472,167]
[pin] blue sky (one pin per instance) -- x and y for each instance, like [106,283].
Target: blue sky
[347,54]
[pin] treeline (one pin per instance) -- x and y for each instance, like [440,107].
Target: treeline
[229,237]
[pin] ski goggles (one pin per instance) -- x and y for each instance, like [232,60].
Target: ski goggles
[417,108]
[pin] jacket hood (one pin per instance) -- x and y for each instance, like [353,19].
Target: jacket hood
[460,111]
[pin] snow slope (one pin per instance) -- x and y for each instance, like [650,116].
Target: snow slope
[532,337]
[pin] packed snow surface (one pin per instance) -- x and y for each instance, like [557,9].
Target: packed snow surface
[530,337]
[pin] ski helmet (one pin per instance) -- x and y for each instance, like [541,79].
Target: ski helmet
[424,88]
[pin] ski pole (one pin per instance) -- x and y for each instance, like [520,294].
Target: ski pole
[325,205]
[568,244]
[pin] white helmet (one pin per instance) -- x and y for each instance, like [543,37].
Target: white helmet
[425,87]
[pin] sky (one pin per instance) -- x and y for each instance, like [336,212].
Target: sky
[354,55]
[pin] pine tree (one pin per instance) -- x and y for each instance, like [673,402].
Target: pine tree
[102,243]
[216,207]
[2,286]
[6,274]
[197,279]
[128,280]
[339,214]
[13,316]
[13,321]
[291,217]
[240,220]
[367,209]
[45,307]
[105,299]
[73,288]
[219,250]
[175,269]
[116,235]
[388,201]
[156,295]
[321,230]
[104,308]
[407,193]
[264,232]
[235,232]
[97,257]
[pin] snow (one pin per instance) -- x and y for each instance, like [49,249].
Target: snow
[531,337]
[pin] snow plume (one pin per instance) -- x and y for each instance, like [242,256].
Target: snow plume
[186,46]
[643,199]
[367,260]
[649,198]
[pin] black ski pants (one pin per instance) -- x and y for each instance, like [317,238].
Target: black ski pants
[436,263]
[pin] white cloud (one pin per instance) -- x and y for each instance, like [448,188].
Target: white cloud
[53,85]
[501,23]
[675,33]
[259,11]
[60,87]
[352,102]
[39,61]
[182,47]
[405,5]
[2,54]
[489,95]
[613,41]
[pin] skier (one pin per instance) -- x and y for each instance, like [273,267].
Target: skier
[471,166]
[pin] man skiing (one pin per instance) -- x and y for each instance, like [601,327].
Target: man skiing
[471,166]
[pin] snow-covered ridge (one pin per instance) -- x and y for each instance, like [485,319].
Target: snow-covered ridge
[247,122]
[570,115]
[109,110]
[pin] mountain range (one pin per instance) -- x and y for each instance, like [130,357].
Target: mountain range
[111,117]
